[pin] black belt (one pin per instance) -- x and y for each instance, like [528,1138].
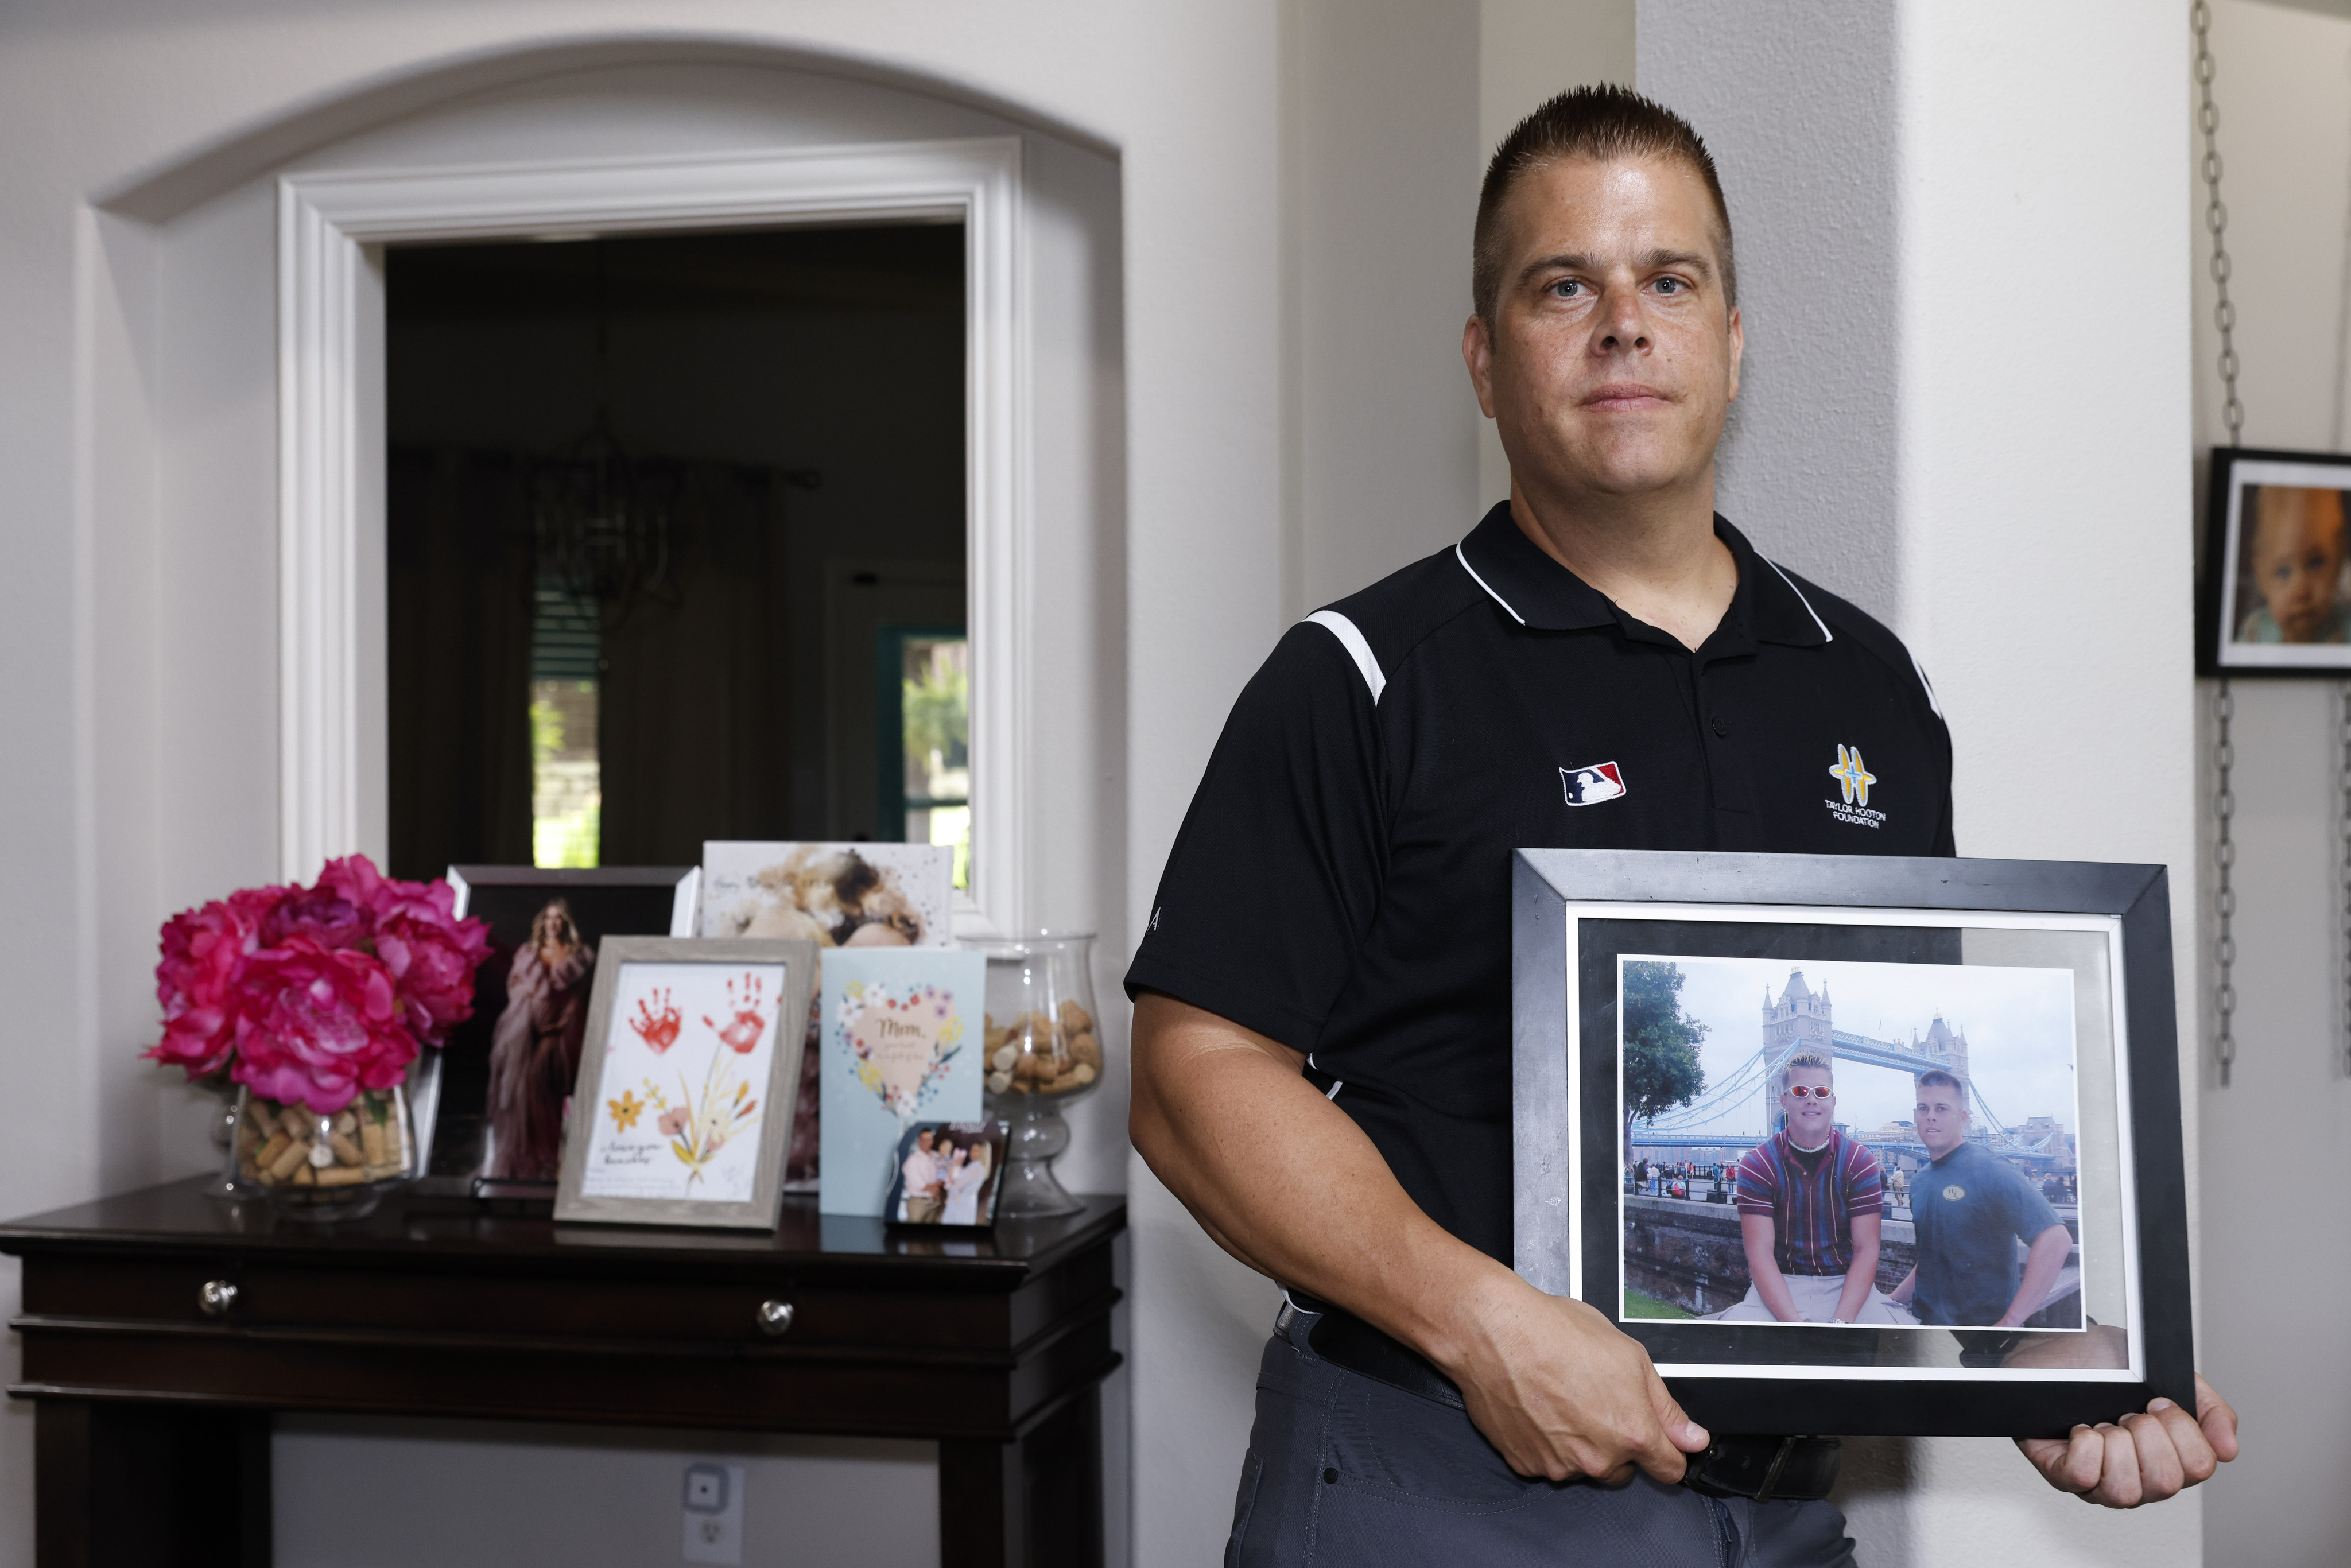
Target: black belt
[1760,1468]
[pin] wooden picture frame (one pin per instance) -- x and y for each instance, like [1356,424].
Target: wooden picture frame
[2103,932]
[620,1152]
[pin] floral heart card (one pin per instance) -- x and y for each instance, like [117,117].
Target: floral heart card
[901,1043]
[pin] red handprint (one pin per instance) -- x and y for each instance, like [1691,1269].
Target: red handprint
[749,1023]
[657,1029]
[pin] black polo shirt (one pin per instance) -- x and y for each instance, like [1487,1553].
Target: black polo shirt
[1342,882]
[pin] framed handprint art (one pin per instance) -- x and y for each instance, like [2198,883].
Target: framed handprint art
[682,1105]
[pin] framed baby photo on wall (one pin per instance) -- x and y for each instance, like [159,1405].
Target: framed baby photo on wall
[1857,1145]
[2274,597]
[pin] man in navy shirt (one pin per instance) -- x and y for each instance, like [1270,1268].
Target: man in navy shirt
[1972,1209]
[1322,1025]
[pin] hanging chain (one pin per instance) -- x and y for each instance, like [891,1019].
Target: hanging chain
[2224,702]
[2224,898]
[2216,220]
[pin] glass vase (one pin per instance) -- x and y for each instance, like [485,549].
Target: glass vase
[319,1166]
[1044,1049]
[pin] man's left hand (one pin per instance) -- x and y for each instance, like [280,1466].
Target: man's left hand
[2143,1458]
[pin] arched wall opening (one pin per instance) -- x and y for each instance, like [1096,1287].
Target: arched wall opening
[201,617]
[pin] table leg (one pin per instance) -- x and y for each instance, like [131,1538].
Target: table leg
[1034,1502]
[149,1486]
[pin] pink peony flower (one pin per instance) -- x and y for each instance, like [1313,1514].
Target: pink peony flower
[316,1025]
[430,953]
[336,911]
[322,989]
[202,949]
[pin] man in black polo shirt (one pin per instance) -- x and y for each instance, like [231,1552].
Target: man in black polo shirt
[1321,1040]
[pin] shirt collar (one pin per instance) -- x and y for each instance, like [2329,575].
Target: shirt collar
[1539,593]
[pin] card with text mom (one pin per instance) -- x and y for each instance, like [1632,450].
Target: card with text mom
[901,1040]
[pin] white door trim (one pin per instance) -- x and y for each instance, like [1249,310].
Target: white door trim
[333,702]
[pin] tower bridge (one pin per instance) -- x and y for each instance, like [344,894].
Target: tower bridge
[1803,1020]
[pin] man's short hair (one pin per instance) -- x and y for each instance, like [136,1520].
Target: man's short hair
[1810,1059]
[1606,123]
[1937,1075]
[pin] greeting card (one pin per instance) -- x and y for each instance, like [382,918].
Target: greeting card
[901,1044]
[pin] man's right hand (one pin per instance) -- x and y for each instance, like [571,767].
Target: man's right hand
[1561,1392]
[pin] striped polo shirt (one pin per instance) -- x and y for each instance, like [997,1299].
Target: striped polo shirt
[1811,1212]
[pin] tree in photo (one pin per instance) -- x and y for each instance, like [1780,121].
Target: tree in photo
[1661,1065]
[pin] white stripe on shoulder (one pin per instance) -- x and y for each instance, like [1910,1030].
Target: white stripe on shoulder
[1487,586]
[1825,633]
[1352,638]
[1923,681]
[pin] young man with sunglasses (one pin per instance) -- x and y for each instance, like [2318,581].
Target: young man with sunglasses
[1810,1204]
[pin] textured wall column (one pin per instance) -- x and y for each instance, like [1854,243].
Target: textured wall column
[1964,261]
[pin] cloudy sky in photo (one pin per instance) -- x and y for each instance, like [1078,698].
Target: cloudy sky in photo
[2019,1024]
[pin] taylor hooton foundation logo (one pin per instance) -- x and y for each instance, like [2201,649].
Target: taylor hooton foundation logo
[1854,780]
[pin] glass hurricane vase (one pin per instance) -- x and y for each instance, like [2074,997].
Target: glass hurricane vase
[323,1166]
[1044,1049]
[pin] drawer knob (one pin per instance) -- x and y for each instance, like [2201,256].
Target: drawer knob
[775,1317]
[216,1298]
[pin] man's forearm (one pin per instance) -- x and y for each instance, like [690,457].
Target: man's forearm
[2041,1268]
[1287,1182]
[1857,1281]
[1862,1273]
[1759,1237]
[1901,1293]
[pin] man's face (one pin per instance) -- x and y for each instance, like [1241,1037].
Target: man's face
[1942,1117]
[1809,1114]
[923,1142]
[1613,354]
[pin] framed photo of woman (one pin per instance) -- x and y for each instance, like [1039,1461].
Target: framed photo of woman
[489,1106]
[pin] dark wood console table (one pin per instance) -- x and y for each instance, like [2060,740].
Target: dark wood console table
[160,1328]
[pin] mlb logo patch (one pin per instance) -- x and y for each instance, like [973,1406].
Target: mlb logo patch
[1590,786]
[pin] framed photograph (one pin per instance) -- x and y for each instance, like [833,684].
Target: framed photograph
[489,1106]
[946,1174]
[681,1108]
[1857,1145]
[2275,598]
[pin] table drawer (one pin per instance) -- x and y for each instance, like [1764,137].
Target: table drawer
[271,1293]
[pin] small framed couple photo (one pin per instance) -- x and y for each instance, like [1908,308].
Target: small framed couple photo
[946,1174]
[2274,597]
[683,1100]
[1857,1145]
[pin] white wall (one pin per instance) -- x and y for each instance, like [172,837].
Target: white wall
[1963,269]
[2283,86]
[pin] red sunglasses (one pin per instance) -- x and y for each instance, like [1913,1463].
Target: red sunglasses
[1801,1092]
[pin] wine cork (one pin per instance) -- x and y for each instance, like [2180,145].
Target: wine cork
[1085,1048]
[342,1176]
[292,1157]
[347,1152]
[277,1144]
[306,1176]
[372,1141]
[1075,1019]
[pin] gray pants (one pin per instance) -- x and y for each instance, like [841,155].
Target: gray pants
[1349,1473]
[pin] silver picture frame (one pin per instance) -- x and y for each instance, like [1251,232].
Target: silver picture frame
[762,1209]
[1578,916]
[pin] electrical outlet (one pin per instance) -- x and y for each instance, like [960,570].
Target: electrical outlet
[714,1513]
